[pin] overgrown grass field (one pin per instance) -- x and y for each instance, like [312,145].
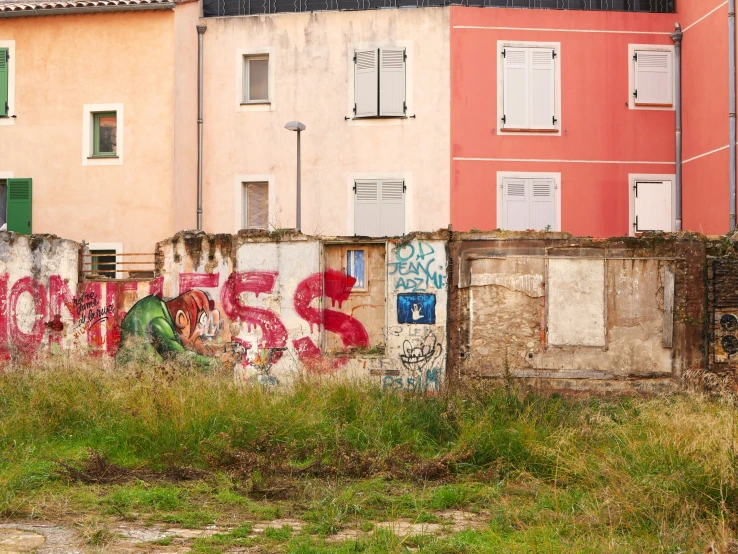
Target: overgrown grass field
[97,444]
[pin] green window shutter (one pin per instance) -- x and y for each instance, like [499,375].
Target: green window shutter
[4,73]
[19,205]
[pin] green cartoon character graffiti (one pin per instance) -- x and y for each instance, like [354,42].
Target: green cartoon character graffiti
[184,326]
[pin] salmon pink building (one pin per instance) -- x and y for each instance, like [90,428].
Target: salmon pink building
[567,119]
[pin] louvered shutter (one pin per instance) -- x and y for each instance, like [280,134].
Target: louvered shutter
[392,82]
[542,206]
[365,83]
[653,206]
[542,88]
[515,208]
[515,88]
[654,78]
[4,78]
[393,208]
[20,194]
[367,209]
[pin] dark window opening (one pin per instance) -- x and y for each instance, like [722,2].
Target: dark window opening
[104,262]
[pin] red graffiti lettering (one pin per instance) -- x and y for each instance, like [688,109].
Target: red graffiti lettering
[338,287]
[273,331]
[189,281]
[28,343]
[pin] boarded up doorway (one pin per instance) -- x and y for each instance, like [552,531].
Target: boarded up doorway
[364,266]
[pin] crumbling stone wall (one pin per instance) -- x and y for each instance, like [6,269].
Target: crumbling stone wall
[577,313]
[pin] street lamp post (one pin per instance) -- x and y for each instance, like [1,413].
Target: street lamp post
[298,127]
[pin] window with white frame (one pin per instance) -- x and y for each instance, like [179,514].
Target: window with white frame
[528,203]
[652,205]
[379,207]
[102,134]
[379,82]
[529,88]
[256,79]
[653,78]
[355,268]
[255,206]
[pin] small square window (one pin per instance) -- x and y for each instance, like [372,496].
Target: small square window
[255,206]
[104,262]
[104,134]
[256,79]
[355,268]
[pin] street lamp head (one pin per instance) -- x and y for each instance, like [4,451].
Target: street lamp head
[294,126]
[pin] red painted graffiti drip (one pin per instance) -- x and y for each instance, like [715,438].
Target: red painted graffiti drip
[189,281]
[273,331]
[4,338]
[338,287]
[112,329]
[156,287]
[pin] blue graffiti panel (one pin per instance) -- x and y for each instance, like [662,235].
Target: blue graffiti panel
[416,308]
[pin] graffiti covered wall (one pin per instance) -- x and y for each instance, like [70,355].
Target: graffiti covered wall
[279,306]
[34,273]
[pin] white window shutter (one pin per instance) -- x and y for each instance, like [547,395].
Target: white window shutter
[542,204]
[393,207]
[542,88]
[392,81]
[367,209]
[366,73]
[516,88]
[654,78]
[515,205]
[652,206]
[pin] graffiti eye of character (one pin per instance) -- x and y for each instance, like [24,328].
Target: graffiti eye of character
[203,319]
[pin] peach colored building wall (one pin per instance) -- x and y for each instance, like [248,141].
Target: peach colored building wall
[312,56]
[602,141]
[184,201]
[62,63]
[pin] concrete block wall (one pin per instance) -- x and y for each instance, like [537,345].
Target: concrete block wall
[577,313]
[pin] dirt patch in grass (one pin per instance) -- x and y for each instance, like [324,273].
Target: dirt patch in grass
[344,461]
[97,470]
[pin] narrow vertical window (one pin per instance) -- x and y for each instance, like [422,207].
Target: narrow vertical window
[256,79]
[105,134]
[355,268]
[255,207]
